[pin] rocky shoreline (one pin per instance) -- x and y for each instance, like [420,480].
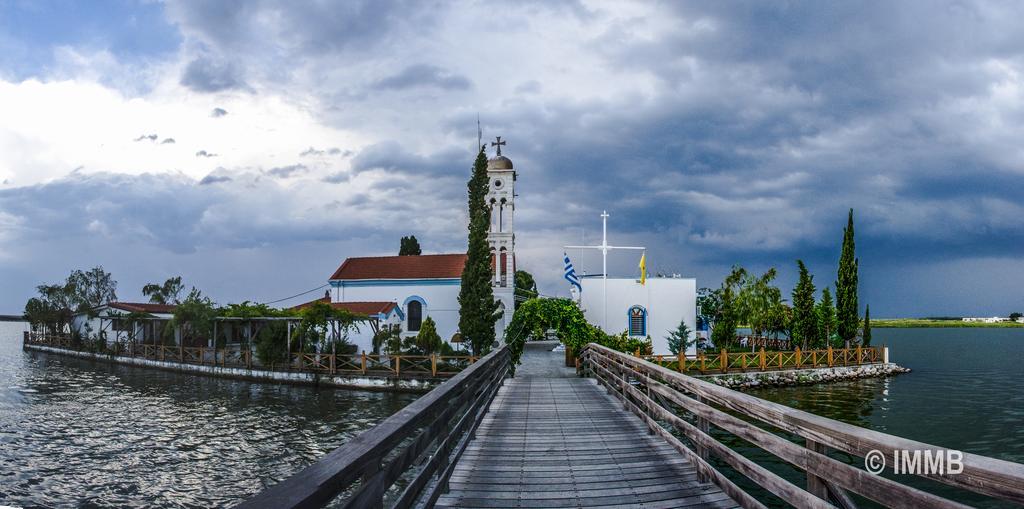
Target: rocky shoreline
[793,377]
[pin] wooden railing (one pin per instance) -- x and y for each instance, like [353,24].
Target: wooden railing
[418,446]
[762,360]
[413,366]
[666,399]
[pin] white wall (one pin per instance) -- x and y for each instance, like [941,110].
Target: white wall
[667,300]
[442,302]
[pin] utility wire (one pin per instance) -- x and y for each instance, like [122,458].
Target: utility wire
[298,294]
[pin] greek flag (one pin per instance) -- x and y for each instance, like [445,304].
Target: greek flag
[570,274]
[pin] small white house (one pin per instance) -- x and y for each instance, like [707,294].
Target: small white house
[651,309]
[381,314]
[115,321]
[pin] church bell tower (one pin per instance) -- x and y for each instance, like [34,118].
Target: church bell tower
[501,236]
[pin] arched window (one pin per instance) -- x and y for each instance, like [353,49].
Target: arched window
[637,321]
[414,312]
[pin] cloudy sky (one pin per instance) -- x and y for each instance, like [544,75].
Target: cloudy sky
[251,146]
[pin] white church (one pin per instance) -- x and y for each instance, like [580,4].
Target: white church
[405,290]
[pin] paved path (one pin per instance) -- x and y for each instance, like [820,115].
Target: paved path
[552,439]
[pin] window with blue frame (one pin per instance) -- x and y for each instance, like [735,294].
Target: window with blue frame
[637,321]
[414,312]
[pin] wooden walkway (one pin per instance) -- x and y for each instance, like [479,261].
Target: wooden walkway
[552,439]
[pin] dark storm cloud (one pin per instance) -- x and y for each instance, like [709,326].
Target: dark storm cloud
[337,177]
[423,75]
[309,29]
[150,137]
[203,153]
[287,171]
[206,74]
[214,179]
[167,141]
[218,112]
[333,151]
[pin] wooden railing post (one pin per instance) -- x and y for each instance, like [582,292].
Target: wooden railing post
[433,365]
[704,426]
[799,362]
[682,362]
[860,355]
[364,362]
[702,359]
[332,363]
[830,358]
[724,361]
[816,485]
[398,365]
[181,354]
[764,361]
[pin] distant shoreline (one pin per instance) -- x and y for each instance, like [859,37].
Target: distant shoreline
[921,323]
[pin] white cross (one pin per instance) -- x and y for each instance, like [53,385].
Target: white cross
[604,247]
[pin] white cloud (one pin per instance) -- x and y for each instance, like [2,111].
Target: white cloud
[51,127]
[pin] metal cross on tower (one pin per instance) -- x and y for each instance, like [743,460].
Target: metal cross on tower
[498,144]
[604,248]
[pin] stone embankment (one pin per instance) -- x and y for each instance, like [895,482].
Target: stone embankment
[791,377]
[358,382]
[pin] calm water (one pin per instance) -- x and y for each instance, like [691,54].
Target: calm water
[966,392]
[76,433]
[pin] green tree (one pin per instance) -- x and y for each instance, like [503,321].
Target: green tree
[409,246]
[724,332]
[679,339]
[826,312]
[194,318]
[92,288]
[388,339]
[1015,316]
[428,340]
[477,307]
[166,293]
[805,321]
[758,301]
[324,328]
[847,315]
[866,337]
[526,287]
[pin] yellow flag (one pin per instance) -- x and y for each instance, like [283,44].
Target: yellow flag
[643,268]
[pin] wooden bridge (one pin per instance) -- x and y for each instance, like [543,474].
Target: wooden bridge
[629,434]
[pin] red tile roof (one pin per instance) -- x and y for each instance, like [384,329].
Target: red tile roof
[360,308]
[437,266]
[143,307]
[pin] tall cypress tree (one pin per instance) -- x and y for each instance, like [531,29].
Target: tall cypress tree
[805,322]
[826,313]
[477,308]
[866,338]
[846,287]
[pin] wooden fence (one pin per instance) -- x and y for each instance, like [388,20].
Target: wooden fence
[666,399]
[726,362]
[412,366]
[417,446]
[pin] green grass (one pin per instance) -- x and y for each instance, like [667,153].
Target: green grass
[897,323]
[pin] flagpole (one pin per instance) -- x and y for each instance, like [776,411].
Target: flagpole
[604,248]
[604,269]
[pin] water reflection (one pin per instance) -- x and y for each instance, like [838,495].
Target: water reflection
[80,433]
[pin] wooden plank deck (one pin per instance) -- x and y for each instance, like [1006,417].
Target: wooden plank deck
[553,440]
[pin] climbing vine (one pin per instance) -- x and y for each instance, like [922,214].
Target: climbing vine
[533,318]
